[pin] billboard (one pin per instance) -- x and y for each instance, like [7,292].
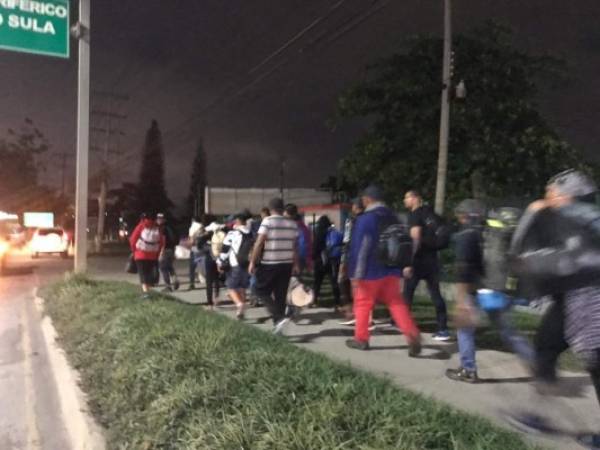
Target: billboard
[38,219]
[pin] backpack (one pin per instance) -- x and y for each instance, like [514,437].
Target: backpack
[302,245]
[334,242]
[245,249]
[394,245]
[436,233]
[497,237]
[149,240]
[216,243]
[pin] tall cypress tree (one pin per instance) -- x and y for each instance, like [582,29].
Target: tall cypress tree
[152,195]
[195,203]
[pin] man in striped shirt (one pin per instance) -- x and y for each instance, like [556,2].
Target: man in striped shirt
[273,260]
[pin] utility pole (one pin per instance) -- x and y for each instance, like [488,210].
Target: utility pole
[81,31]
[108,131]
[282,178]
[442,168]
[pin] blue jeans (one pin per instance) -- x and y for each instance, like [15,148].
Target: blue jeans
[518,344]
[466,348]
[192,267]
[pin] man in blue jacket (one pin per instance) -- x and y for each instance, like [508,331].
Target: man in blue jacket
[374,281]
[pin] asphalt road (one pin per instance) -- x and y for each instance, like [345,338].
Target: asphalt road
[30,415]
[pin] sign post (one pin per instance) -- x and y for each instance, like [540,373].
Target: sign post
[82,32]
[40,27]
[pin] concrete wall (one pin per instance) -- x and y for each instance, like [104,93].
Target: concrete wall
[224,201]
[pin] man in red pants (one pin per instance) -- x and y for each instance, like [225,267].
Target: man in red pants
[372,280]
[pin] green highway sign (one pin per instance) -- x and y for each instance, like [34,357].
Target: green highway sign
[35,26]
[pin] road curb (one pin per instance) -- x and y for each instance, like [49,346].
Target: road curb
[84,432]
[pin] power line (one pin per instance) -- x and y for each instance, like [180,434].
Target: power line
[353,22]
[296,37]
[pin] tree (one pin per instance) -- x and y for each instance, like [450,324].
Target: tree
[195,202]
[125,202]
[19,190]
[500,145]
[152,194]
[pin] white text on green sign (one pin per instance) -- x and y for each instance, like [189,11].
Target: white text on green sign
[35,26]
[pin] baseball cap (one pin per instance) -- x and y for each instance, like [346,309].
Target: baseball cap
[470,207]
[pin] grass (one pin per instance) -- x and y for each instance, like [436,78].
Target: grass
[163,375]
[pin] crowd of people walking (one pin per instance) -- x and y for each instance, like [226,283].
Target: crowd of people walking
[550,250]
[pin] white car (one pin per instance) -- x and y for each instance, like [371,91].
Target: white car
[49,240]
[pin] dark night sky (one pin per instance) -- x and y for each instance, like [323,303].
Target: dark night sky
[196,67]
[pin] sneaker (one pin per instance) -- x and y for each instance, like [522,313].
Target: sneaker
[349,323]
[357,345]
[414,348]
[278,328]
[146,296]
[530,423]
[168,289]
[443,336]
[240,315]
[590,441]
[191,287]
[461,374]
[176,285]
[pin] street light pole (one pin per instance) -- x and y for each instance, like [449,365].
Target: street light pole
[82,32]
[442,168]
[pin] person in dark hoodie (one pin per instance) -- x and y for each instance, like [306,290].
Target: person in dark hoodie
[470,269]
[167,257]
[557,252]
[325,264]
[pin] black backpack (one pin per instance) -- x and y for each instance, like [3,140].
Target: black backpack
[436,233]
[394,246]
[245,250]
[498,232]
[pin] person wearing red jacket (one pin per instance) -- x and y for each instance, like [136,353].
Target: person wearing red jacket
[147,243]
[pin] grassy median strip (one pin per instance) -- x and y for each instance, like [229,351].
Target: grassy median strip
[160,374]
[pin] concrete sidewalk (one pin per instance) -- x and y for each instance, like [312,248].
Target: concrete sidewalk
[505,386]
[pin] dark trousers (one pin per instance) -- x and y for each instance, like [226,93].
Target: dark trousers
[550,343]
[212,280]
[272,281]
[432,278]
[330,270]
[345,291]
[167,268]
